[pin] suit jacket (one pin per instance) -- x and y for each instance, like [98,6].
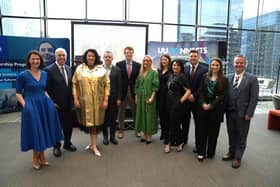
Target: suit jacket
[248,93]
[196,80]
[57,89]
[128,82]
[115,84]
[217,102]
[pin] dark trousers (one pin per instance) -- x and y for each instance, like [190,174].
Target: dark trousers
[163,120]
[238,129]
[65,116]
[191,108]
[110,119]
[207,134]
[174,134]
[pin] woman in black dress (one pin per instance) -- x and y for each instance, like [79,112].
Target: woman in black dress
[178,93]
[163,74]
[212,94]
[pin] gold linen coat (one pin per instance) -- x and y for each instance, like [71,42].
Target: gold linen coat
[91,86]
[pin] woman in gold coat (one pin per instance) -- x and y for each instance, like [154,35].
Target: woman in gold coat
[91,88]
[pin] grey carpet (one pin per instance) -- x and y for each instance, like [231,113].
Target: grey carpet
[135,164]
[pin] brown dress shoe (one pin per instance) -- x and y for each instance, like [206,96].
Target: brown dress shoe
[236,163]
[228,157]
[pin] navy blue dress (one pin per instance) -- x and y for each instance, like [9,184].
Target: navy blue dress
[40,125]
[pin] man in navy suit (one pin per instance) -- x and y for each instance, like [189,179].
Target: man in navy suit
[114,100]
[129,72]
[59,88]
[194,73]
[241,103]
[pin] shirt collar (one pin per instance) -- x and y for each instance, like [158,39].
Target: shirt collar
[59,66]
[240,76]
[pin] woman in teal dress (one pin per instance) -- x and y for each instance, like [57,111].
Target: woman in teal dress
[146,86]
[40,125]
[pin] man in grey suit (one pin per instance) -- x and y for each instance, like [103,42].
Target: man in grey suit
[114,101]
[241,103]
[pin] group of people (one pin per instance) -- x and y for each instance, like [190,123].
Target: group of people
[99,93]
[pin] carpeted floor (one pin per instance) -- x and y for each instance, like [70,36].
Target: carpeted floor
[135,164]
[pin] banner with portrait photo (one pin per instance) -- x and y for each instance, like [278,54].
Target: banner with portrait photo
[13,52]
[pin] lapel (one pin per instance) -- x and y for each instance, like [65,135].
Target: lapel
[69,76]
[112,73]
[243,82]
[188,69]
[133,67]
[59,72]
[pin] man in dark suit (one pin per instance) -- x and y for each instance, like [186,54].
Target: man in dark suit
[241,103]
[194,73]
[129,72]
[59,88]
[114,100]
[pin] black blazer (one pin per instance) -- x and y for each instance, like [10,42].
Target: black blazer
[115,83]
[128,82]
[217,102]
[57,89]
[195,82]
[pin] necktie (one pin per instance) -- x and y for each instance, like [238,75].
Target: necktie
[192,72]
[129,70]
[63,74]
[235,83]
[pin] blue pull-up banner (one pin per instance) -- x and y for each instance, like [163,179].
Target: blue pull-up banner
[13,53]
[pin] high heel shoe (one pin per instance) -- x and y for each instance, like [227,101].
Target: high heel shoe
[96,152]
[180,147]
[167,149]
[42,159]
[35,162]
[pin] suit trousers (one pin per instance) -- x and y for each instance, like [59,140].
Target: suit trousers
[238,129]
[66,125]
[131,102]
[110,118]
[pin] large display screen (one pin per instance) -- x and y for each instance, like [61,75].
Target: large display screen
[113,37]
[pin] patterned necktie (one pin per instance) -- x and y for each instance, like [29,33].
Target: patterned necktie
[235,83]
[63,74]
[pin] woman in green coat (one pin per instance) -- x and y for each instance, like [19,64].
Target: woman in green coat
[146,85]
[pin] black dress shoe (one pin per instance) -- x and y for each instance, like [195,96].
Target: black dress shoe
[114,141]
[200,158]
[105,141]
[228,157]
[148,141]
[70,147]
[236,163]
[56,152]
[142,140]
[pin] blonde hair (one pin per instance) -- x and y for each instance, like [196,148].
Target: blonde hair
[142,71]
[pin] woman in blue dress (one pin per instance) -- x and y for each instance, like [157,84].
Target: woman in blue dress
[40,125]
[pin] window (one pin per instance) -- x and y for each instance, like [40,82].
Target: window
[105,9]
[22,27]
[66,9]
[145,10]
